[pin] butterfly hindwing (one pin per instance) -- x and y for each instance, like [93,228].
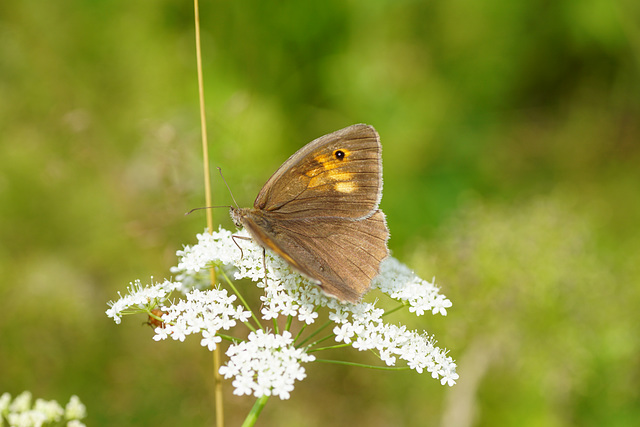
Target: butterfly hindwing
[343,255]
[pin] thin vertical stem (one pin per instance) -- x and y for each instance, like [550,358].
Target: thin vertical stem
[207,191]
[203,123]
[255,411]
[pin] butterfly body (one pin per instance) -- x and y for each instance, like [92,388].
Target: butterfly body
[319,212]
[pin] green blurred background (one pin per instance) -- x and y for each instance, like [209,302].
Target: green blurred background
[511,138]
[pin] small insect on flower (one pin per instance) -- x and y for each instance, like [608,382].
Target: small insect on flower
[154,320]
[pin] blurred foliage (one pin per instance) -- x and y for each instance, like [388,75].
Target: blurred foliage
[551,316]
[510,134]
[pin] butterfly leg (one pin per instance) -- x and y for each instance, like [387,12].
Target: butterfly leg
[234,237]
[264,264]
[264,254]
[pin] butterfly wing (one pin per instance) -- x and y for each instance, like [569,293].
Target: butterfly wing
[341,255]
[336,175]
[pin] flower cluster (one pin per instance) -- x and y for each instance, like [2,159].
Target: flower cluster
[19,412]
[206,312]
[399,282]
[362,327]
[141,299]
[265,364]
[268,363]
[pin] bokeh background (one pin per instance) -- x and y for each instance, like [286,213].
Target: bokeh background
[511,136]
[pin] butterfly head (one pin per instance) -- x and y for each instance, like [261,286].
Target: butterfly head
[236,216]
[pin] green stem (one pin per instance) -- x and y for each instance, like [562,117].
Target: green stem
[255,412]
[244,302]
[158,318]
[386,313]
[230,338]
[324,339]
[316,332]
[328,348]
[304,326]
[361,365]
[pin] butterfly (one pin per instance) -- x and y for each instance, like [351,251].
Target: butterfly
[319,212]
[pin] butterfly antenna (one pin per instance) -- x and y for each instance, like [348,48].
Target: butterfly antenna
[228,188]
[207,207]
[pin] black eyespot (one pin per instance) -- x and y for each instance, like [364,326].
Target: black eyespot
[339,154]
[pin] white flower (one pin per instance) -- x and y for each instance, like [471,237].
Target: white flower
[361,325]
[449,377]
[339,316]
[161,334]
[5,400]
[139,297]
[209,340]
[51,410]
[19,412]
[398,281]
[203,312]
[344,333]
[307,314]
[216,246]
[266,364]
[392,342]
[21,403]
[75,409]
[26,419]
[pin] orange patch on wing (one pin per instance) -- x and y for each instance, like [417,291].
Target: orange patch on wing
[346,187]
[326,162]
[331,178]
[340,176]
[324,174]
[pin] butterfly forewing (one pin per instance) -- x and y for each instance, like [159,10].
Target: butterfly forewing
[337,175]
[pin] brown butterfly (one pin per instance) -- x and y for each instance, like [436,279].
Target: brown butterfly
[319,211]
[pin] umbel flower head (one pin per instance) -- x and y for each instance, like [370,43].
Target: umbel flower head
[22,411]
[266,362]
